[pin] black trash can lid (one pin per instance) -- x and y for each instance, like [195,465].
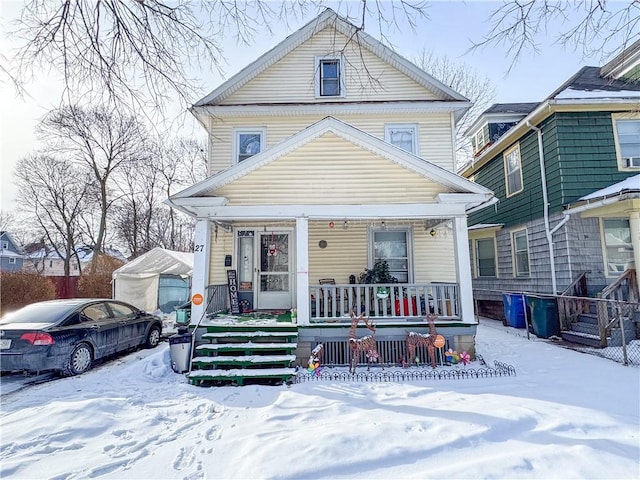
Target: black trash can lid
[180,338]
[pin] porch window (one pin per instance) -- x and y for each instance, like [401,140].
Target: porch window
[617,245]
[394,247]
[520,245]
[513,170]
[404,136]
[628,142]
[329,77]
[485,257]
[248,142]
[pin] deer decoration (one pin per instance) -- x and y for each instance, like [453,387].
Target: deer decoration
[415,339]
[365,344]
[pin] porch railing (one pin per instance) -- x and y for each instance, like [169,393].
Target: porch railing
[217,298]
[384,301]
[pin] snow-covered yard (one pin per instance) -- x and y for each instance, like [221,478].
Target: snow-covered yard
[565,415]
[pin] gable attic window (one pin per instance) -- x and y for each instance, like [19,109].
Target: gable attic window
[5,245]
[330,77]
[247,143]
[404,136]
[479,140]
[627,135]
[513,170]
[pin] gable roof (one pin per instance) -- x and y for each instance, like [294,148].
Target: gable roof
[325,19]
[348,132]
[623,63]
[590,82]
[14,246]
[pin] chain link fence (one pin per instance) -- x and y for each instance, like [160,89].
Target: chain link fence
[602,327]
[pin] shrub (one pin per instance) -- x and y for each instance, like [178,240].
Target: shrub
[18,289]
[95,281]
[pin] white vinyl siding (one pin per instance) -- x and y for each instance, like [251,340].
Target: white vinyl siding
[404,136]
[330,170]
[434,141]
[513,170]
[520,247]
[292,78]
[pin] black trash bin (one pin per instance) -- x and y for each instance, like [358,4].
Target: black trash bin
[180,351]
[544,316]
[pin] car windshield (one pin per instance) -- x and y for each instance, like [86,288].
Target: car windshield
[39,313]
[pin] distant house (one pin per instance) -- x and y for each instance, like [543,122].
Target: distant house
[11,254]
[566,173]
[45,260]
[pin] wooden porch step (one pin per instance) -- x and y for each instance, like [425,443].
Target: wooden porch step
[581,338]
[243,360]
[239,376]
[247,347]
[256,334]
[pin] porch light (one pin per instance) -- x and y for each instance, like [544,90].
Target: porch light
[383,224]
[432,232]
[345,225]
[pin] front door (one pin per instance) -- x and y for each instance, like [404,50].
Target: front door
[274,273]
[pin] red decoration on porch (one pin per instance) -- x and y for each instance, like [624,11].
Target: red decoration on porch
[331,224]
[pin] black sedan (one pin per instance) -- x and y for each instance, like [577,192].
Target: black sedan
[69,335]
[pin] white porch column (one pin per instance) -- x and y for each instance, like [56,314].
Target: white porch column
[463,269]
[634,226]
[302,270]
[200,279]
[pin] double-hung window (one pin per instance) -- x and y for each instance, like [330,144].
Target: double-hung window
[485,257]
[520,245]
[12,260]
[627,134]
[247,143]
[404,136]
[394,247]
[330,77]
[617,245]
[513,170]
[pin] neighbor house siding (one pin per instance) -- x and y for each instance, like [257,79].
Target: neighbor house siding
[292,78]
[434,131]
[330,170]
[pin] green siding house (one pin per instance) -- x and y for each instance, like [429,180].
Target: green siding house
[566,176]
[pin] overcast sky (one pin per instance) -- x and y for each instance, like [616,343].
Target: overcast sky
[450,29]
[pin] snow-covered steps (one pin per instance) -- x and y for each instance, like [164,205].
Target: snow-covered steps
[241,353]
[239,376]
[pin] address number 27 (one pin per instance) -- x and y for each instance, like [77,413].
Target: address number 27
[198,248]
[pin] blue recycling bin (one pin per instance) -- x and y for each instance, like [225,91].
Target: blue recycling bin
[514,309]
[544,316]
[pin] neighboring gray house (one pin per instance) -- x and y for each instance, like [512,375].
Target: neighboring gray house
[11,254]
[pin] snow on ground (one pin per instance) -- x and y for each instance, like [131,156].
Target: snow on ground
[565,415]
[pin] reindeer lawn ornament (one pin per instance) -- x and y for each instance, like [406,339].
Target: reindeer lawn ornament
[365,344]
[429,340]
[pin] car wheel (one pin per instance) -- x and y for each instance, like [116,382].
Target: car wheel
[153,339]
[79,360]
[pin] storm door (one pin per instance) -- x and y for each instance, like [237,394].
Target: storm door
[274,274]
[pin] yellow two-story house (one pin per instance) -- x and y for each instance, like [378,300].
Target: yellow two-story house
[332,188]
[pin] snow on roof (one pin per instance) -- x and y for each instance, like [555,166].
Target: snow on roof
[160,261]
[631,184]
[579,93]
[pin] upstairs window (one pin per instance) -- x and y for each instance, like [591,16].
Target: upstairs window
[513,170]
[404,136]
[248,142]
[479,140]
[628,142]
[329,77]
